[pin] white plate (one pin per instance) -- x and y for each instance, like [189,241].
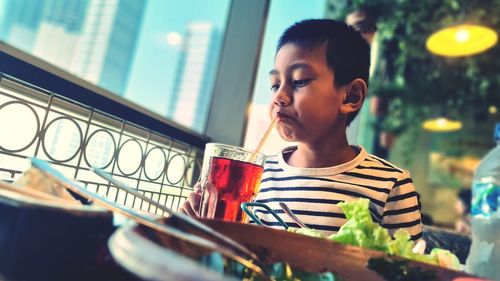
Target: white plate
[150,261]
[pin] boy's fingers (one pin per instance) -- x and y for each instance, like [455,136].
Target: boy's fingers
[194,200]
[188,210]
[197,188]
[192,204]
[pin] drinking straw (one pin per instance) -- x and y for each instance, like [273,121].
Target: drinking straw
[266,135]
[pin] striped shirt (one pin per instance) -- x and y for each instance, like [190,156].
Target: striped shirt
[313,193]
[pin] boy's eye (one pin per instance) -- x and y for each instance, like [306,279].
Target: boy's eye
[300,83]
[275,87]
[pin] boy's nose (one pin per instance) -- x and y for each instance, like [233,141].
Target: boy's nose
[281,98]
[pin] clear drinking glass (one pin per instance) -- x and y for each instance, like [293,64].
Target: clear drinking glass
[235,174]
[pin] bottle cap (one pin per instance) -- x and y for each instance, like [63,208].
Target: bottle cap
[497,132]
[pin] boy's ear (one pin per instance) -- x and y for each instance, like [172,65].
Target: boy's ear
[355,96]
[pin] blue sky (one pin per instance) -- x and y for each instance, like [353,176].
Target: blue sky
[155,62]
[2,11]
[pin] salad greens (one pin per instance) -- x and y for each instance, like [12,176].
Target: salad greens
[284,272]
[399,270]
[360,230]
[278,272]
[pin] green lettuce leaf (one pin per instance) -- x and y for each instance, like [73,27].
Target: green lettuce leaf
[360,230]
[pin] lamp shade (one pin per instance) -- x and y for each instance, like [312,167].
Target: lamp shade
[442,124]
[461,40]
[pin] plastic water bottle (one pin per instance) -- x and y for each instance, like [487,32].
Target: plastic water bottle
[484,255]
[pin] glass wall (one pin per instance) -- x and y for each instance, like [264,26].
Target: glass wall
[282,13]
[159,54]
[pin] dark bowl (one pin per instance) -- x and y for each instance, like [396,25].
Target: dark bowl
[50,240]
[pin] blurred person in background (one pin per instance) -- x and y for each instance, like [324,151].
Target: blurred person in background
[462,207]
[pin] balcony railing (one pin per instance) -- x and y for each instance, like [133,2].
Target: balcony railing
[36,122]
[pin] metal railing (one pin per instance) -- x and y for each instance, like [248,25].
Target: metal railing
[74,137]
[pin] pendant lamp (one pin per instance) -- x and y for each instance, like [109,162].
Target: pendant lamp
[462,40]
[442,124]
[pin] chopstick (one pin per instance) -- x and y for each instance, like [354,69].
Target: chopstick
[187,219]
[232,249]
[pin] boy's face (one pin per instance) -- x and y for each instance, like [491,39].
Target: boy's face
[305,98]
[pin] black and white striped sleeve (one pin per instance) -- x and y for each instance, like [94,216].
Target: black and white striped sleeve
[402,209]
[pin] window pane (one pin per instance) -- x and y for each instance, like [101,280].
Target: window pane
[161,54]
[282,13]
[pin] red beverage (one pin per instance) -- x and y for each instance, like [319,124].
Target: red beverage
[236,182]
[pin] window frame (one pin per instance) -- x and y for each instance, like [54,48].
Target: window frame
[238,66]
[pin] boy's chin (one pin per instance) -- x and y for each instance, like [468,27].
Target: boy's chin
[287,135]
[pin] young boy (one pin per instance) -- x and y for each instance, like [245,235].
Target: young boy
[319,83]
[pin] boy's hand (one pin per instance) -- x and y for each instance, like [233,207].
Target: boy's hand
[192,205]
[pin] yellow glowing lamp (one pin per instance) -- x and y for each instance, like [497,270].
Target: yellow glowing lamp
[442,124]
[461,40]
[492,109]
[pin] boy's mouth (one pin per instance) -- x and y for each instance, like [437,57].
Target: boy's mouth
[281,116]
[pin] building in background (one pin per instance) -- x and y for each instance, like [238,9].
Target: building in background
[93,39]
[107,43]
[59,30]
[193,85]
[21,23]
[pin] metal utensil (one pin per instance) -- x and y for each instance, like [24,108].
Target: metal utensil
[184,218]
[289,212]
[245,207]
[230,249]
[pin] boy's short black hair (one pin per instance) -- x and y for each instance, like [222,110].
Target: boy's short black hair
[347,52]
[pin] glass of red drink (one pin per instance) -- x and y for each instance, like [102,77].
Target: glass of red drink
[235,174]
